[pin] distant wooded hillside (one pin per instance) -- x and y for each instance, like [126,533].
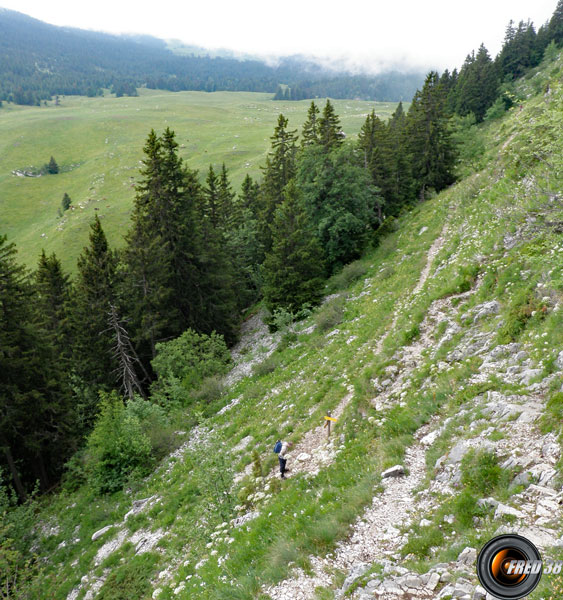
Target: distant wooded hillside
[40,61]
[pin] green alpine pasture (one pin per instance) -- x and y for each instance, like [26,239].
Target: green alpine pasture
[98,143]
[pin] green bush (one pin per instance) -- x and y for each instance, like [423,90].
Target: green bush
[523,307]
[184,363]
[210,390]
[154,424]
[465,508]
[268,365]
[347,276]
[330,314]
[117,447]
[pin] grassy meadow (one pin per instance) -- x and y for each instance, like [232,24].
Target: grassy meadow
[98,143]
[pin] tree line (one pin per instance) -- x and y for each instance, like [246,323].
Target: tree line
[484,84]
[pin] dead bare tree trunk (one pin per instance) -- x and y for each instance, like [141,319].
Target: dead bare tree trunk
[126,357]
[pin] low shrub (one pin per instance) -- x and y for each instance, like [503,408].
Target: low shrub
[330,314]
[183,364]
[125,441]
[347,276]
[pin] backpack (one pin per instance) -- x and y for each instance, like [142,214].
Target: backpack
[278,447]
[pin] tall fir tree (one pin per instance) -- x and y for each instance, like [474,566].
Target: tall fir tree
[36,415]
[211,194]
[477,85]
[227,201]
[293,269]
[400,192]
[373,140]
[95,290]
[310,130]
[431,149]
[52,297]
[555,27]
[52,167]
[330,130]
[280,168]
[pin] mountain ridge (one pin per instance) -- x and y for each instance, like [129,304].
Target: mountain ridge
[42,60]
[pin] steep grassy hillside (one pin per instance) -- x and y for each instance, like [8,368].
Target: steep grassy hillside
[98,144]
[440,352]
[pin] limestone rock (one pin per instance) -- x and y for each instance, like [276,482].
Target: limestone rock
[503,509]
[480,593]
[468,556]
[139,505]
[98,534]
[486,309]
[396,471]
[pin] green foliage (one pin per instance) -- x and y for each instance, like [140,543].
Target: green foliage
[184,363]
[154,423]
[118,446]
[95,291]
[523,307]
[431,148]
[210,390]
[340,201]
[477,85]
[329,128]
[347,276]
[330,314]
[410,334]
[132,579]
[470,144]
[268,365]
[293,270]
[552,418]
[481,473]
[66,202]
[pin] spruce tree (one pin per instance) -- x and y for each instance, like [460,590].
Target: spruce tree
[477,85]
[280,168]
[184,281]
[51,302]
[310,131]
[95,291]
[374,143]
[293,269]
[330,130]
[216,279]
[52,167]
[66,202]
[555,27]
[36,417]
[431,148]
[227,201]
[399,164]
[249,195]
[211,193]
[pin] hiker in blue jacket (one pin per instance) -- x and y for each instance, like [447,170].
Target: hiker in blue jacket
[285,446]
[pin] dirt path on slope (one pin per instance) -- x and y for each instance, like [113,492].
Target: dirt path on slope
[433,251]
[375,535]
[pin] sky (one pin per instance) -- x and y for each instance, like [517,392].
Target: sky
[373,35]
